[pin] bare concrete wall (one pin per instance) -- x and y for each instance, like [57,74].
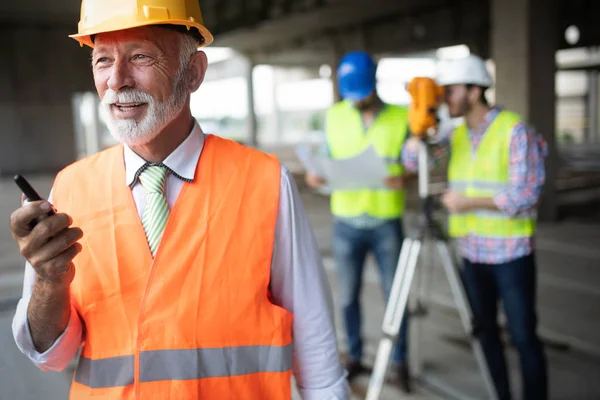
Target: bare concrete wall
[40,69]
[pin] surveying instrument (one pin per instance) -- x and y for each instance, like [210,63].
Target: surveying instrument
[426,98]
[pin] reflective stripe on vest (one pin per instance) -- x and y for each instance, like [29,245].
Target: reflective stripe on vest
[187,364]
[485,174]
[346,137]
[196,321]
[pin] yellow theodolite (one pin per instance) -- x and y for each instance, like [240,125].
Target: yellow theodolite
[427,97]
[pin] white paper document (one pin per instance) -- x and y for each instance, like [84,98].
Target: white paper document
[309,161]
[312,164]
[364,171]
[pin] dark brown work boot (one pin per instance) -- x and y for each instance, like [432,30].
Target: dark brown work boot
[403,378]
[354,369]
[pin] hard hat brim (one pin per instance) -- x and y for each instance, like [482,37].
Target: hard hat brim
[86,38]
[357,95]
[450,82]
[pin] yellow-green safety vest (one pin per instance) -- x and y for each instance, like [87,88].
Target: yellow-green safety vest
[485,174]
[346,137]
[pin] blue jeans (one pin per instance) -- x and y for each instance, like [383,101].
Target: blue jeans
[350,248]
[514,284]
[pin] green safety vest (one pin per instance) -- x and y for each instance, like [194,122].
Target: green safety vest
[485,174]
[346,138]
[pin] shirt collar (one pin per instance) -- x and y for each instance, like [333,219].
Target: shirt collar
[182,162]
[490,116]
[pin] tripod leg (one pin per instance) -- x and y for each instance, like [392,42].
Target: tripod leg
[423,283]
[465,313]
[394,313]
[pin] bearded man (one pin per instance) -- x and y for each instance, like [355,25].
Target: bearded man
[182,263]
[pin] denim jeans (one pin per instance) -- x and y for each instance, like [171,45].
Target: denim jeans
[514,284]
[350,248]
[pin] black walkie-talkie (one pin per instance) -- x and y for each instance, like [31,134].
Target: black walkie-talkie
[31,195]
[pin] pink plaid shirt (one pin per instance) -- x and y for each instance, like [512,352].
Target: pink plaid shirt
[527,175]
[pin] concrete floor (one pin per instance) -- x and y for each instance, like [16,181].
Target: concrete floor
[568,308]
[568,296]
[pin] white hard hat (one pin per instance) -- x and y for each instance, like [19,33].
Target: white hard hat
[470,70]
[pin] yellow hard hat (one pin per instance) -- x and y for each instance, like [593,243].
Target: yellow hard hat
[99,16]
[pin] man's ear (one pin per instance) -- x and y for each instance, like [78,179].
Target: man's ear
[197,70]
[474,94]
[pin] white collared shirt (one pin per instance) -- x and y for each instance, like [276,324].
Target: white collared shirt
[298,283]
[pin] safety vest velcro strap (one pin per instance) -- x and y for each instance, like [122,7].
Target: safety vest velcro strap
[185,364]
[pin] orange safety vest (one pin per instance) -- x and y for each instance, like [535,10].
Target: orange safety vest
[195,322]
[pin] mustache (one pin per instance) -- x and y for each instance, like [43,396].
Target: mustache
[126,96]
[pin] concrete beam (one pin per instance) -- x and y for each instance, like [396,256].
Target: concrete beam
[306,57]
[230,68]
[236,66]
[271,34]
[431,28]
[585,59]
[421,30]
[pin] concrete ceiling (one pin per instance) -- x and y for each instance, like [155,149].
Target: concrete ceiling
[288,31]
[326,19]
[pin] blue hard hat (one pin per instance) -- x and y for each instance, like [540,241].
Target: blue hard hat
[356,76]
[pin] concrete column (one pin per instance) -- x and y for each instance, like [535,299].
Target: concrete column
[252,120]
[336,55]
[92,131]
[596,137]
[86,123]
[335,84]
[524,39]
[275,117]
[592,108]
[40,70]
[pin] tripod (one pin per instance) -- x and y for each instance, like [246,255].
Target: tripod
[407,263]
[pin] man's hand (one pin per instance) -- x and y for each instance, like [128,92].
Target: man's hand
[455,202]
[314,181]
[50,246]
[412,144]
[394,182]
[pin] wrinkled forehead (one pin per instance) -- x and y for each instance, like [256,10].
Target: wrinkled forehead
[147,36]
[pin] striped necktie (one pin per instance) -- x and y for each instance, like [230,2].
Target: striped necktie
[156,212]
